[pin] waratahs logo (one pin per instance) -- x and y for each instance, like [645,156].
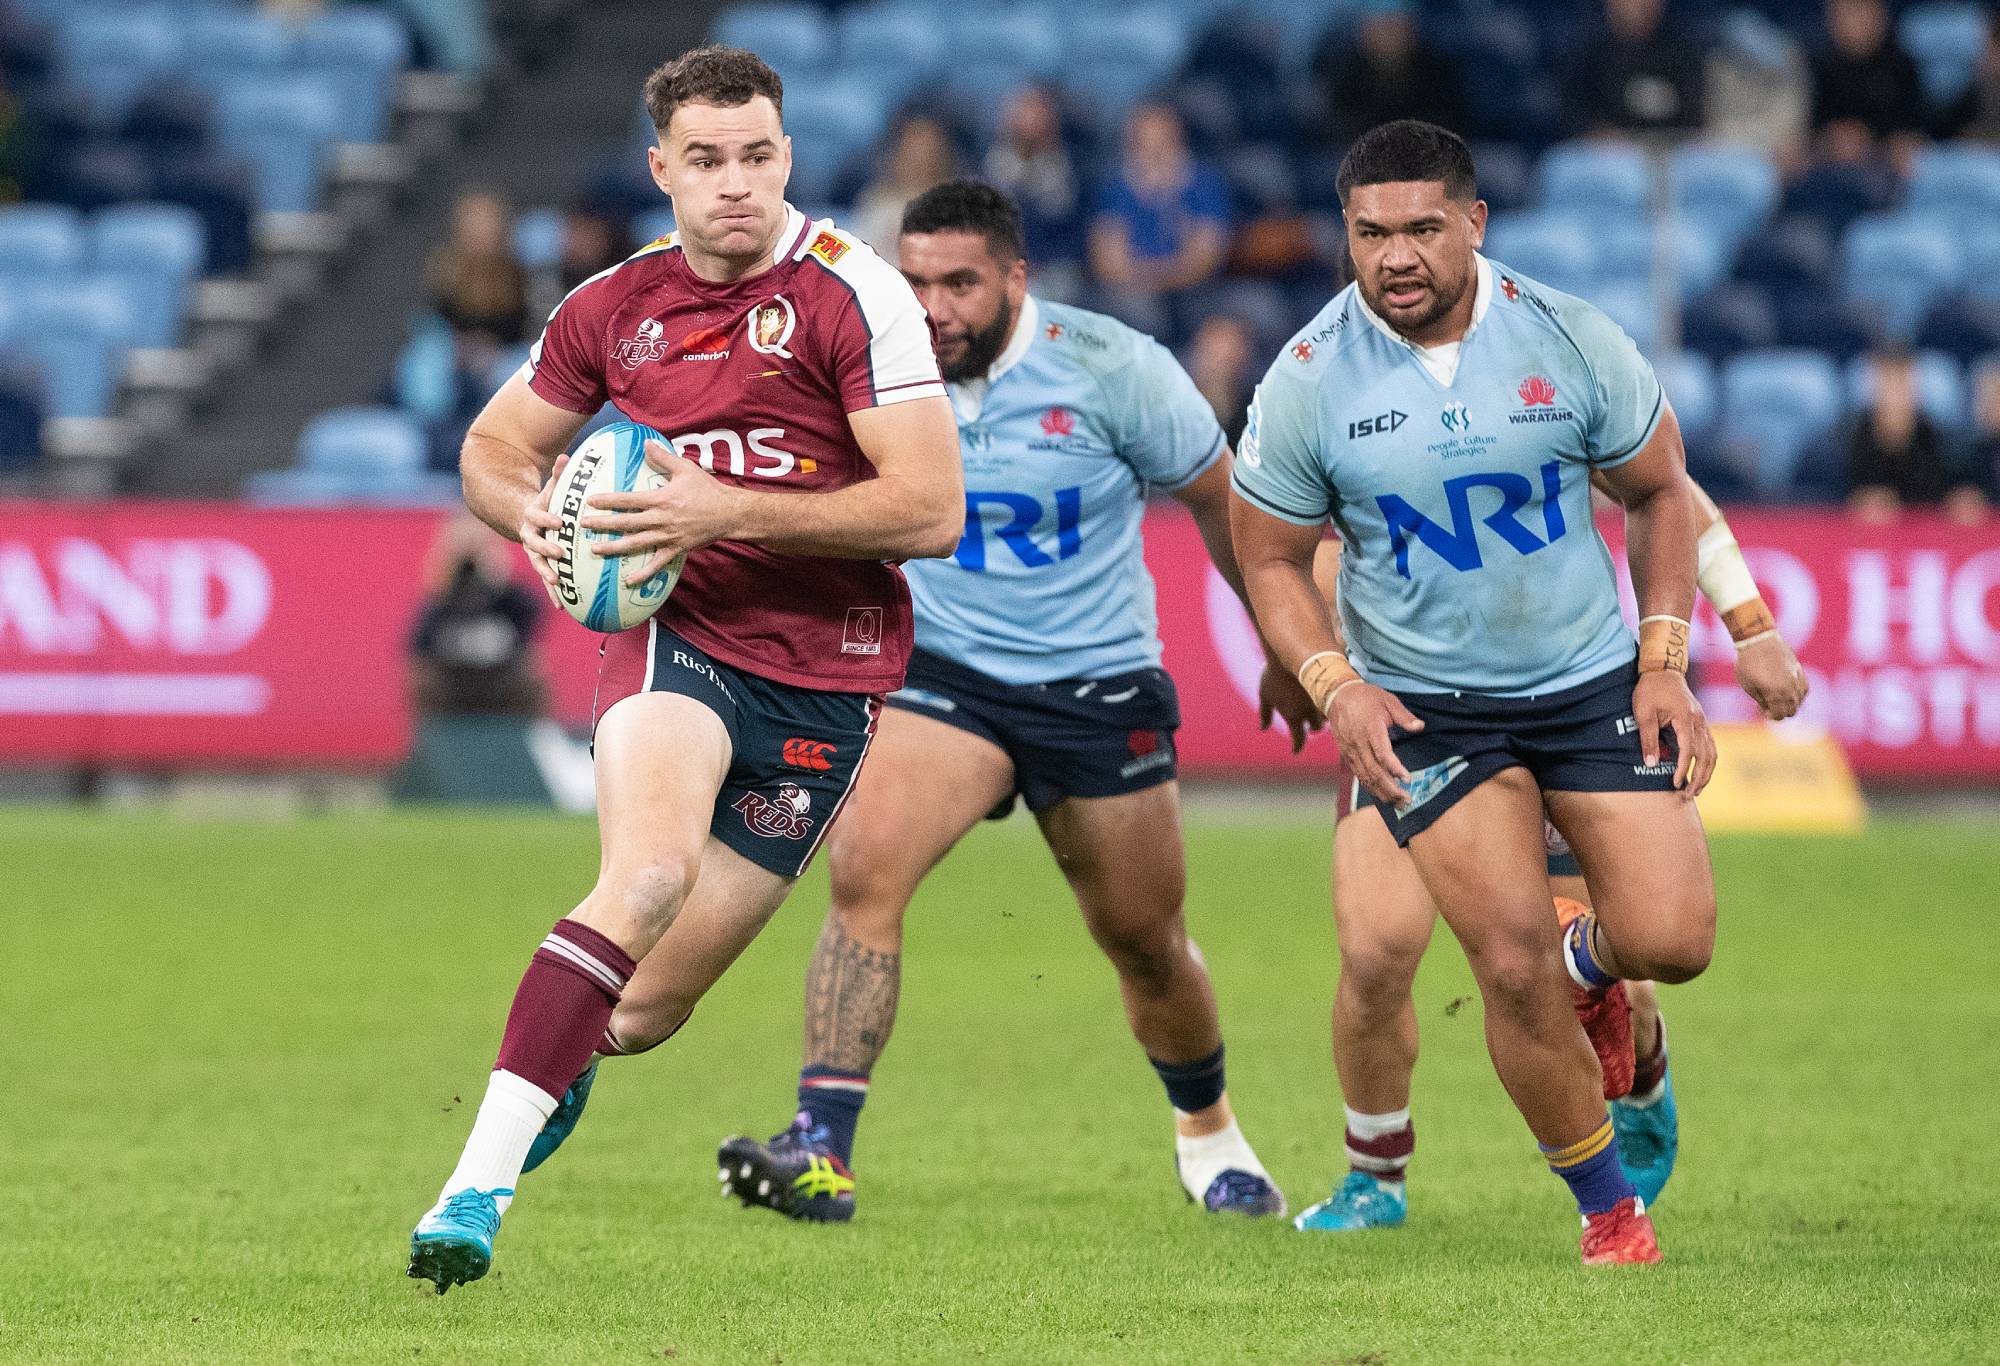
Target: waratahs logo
[1058,422]
[1536,391]
[788,817]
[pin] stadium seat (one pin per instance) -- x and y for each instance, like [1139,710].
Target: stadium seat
[830,120]
[283,127]
[1794,253]
[1028,37]
[1963,327]
[1153,38]
[152,252]
[361,50]
[791,37]
[1728,319]
[112,54]
[218,189]
[1945,40]
[1837,193]
[79,366]
[1941,388]
[1556,249]
[1730,188]
[1594,177]
[169,118]
[1780,401]
[1626,247]
[1982,263]
[1899,265]
[381,441]
[537,238]
[1506,180]
[1688,377]
[909,35]
[229,44]
[37,240]
[1958,184]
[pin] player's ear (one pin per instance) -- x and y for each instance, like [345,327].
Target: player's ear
[656,164]
[1478,216]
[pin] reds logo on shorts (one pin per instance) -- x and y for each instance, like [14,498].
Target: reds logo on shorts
[809,754]
[786,818]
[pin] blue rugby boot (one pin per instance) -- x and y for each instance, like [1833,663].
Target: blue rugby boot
[1361,1201]
[1649,1138]
[1236,1191]
[561,1121]
[453,1244]
[796,1173]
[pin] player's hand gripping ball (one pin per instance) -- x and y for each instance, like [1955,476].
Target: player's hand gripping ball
[587,583]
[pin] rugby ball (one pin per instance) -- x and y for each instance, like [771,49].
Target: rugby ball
[589,586]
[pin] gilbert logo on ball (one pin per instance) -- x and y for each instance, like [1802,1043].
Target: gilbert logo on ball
[588,585]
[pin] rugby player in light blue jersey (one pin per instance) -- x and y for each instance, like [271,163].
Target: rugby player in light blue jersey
[1037,676]
[1447,416]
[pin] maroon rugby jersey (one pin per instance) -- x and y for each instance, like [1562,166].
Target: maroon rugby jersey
[754,379]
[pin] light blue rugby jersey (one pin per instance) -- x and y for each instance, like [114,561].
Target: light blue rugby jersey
[1074,420]
[1472,563]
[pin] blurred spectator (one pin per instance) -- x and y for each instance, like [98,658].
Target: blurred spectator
[1222,361]
[20,148]
[1631,75]
[1976,114]
[1986,427]
[1867,96]
[476,284]
[594,239]
[921,155]
[1896,454]
[1031,161]
[472,651]
[1162,226]
[1757,88]
[1384,70]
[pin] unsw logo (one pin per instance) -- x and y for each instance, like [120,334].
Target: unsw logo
[813,755]
[1458,544]
[788,817]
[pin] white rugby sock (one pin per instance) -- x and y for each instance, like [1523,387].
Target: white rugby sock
[1209,1156]
[513,1112]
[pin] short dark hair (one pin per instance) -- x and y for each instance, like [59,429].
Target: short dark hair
[724,76]
[1408,149]
[970,206]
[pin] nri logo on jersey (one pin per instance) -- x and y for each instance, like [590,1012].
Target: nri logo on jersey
[1024,515]
[1458,544]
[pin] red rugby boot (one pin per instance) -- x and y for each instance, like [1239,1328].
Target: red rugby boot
[1607,1018]
[1620,1236]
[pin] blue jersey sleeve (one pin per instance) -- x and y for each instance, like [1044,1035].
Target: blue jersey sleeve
[1168,433]
[1626,400]
[1280,469]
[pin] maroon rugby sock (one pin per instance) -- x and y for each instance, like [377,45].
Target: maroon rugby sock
[562,1006]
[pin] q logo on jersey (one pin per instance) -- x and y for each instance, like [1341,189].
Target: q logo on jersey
[771,326]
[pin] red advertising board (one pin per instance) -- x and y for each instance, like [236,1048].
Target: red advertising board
[187,634]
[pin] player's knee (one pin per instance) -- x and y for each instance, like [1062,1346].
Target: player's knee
[1517,979]
[1682,957]
[1669,948]
[869,894]
[1146,953]
[649,893]
[640,1028]
[1376,975]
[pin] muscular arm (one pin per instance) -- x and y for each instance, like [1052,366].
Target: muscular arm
[913,509]
[1660,521]
[1275,558]
[508,453]
[1278,692]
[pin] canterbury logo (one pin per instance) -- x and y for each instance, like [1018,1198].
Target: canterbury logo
[814,755]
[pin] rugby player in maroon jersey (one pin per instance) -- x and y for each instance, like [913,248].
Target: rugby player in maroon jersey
[808,446]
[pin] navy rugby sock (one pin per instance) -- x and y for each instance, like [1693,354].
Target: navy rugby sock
[831,1100]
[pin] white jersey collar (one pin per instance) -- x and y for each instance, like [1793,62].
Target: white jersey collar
[1441,360]
[969,396]
[790,244]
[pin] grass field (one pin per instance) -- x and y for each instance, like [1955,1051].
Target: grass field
[239,1057]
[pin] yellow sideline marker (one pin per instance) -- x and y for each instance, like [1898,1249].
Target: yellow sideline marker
[1770,781]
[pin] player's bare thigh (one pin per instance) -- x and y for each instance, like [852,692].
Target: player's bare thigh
[733,899]
[1382,913]
[1486,869]
[1645,858]
[660,759]
[1124,859]
[924,785]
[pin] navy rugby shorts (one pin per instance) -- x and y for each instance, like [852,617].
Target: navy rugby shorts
[795,752]
[1082,737]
